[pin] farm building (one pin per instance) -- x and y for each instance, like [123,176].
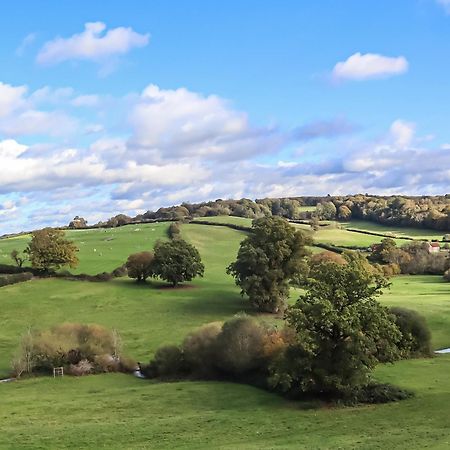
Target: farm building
[434,247]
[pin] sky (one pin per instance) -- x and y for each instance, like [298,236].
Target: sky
[123,107]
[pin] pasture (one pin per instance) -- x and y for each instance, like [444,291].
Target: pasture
[100,250]
[120,411]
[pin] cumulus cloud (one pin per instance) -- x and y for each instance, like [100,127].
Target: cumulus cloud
[180,123]
[93,44]
[367,66]
[179,145]
[11,98]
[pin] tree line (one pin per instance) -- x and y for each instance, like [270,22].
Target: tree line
[422,212]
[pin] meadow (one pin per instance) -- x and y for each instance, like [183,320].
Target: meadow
[100,249]
[120,411]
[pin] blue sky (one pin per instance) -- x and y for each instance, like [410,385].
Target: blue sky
[138,104]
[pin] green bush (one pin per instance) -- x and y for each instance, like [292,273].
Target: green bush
[168,362]
[381,393]
[415,335]
[174,231]
[200,349]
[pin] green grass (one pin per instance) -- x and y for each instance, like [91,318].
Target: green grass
[120,411]
[244,221]
[100,250]
[415,233]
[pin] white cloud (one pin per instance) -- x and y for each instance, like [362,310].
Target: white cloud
[94,44]
[11,98]
[402,133]
[86,100]
[181,123]
[445,4]
[368,66]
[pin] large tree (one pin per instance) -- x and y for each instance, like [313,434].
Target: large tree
[49,249]
[177,261]
[342,332]
[140,265]
[267,260]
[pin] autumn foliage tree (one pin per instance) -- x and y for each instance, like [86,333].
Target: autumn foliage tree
[139,266]
[50,250]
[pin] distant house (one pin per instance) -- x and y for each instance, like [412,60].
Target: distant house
[434,247]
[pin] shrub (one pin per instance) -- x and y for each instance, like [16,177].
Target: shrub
[199,349]
[381,393]
[447,275]
[67,345]
[174,231]
[83,367]
[240,345]
[120,271]
[415,335]
[168,362]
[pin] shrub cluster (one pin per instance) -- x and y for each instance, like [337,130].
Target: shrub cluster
[80,349]
[246,350]
[239,349]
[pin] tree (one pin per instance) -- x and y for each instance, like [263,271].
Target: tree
[140,266]
[344,212]
[17,258]
[177,261]
[78,222]
[267,260]
[49,249]
[325,211]
[342,332]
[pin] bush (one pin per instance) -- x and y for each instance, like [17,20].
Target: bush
[174,231]
[67,345]
[240,345]
[447,275]
[120,271]
[199,349]
[415,335]
[83,367]
[375,393]
[168,362]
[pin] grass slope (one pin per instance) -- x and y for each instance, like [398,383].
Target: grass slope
[147,316]
[120,411]
[101,250]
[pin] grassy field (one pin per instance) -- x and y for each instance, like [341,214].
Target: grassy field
[415,233]
[120,411]
[101,250]
[244,221]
